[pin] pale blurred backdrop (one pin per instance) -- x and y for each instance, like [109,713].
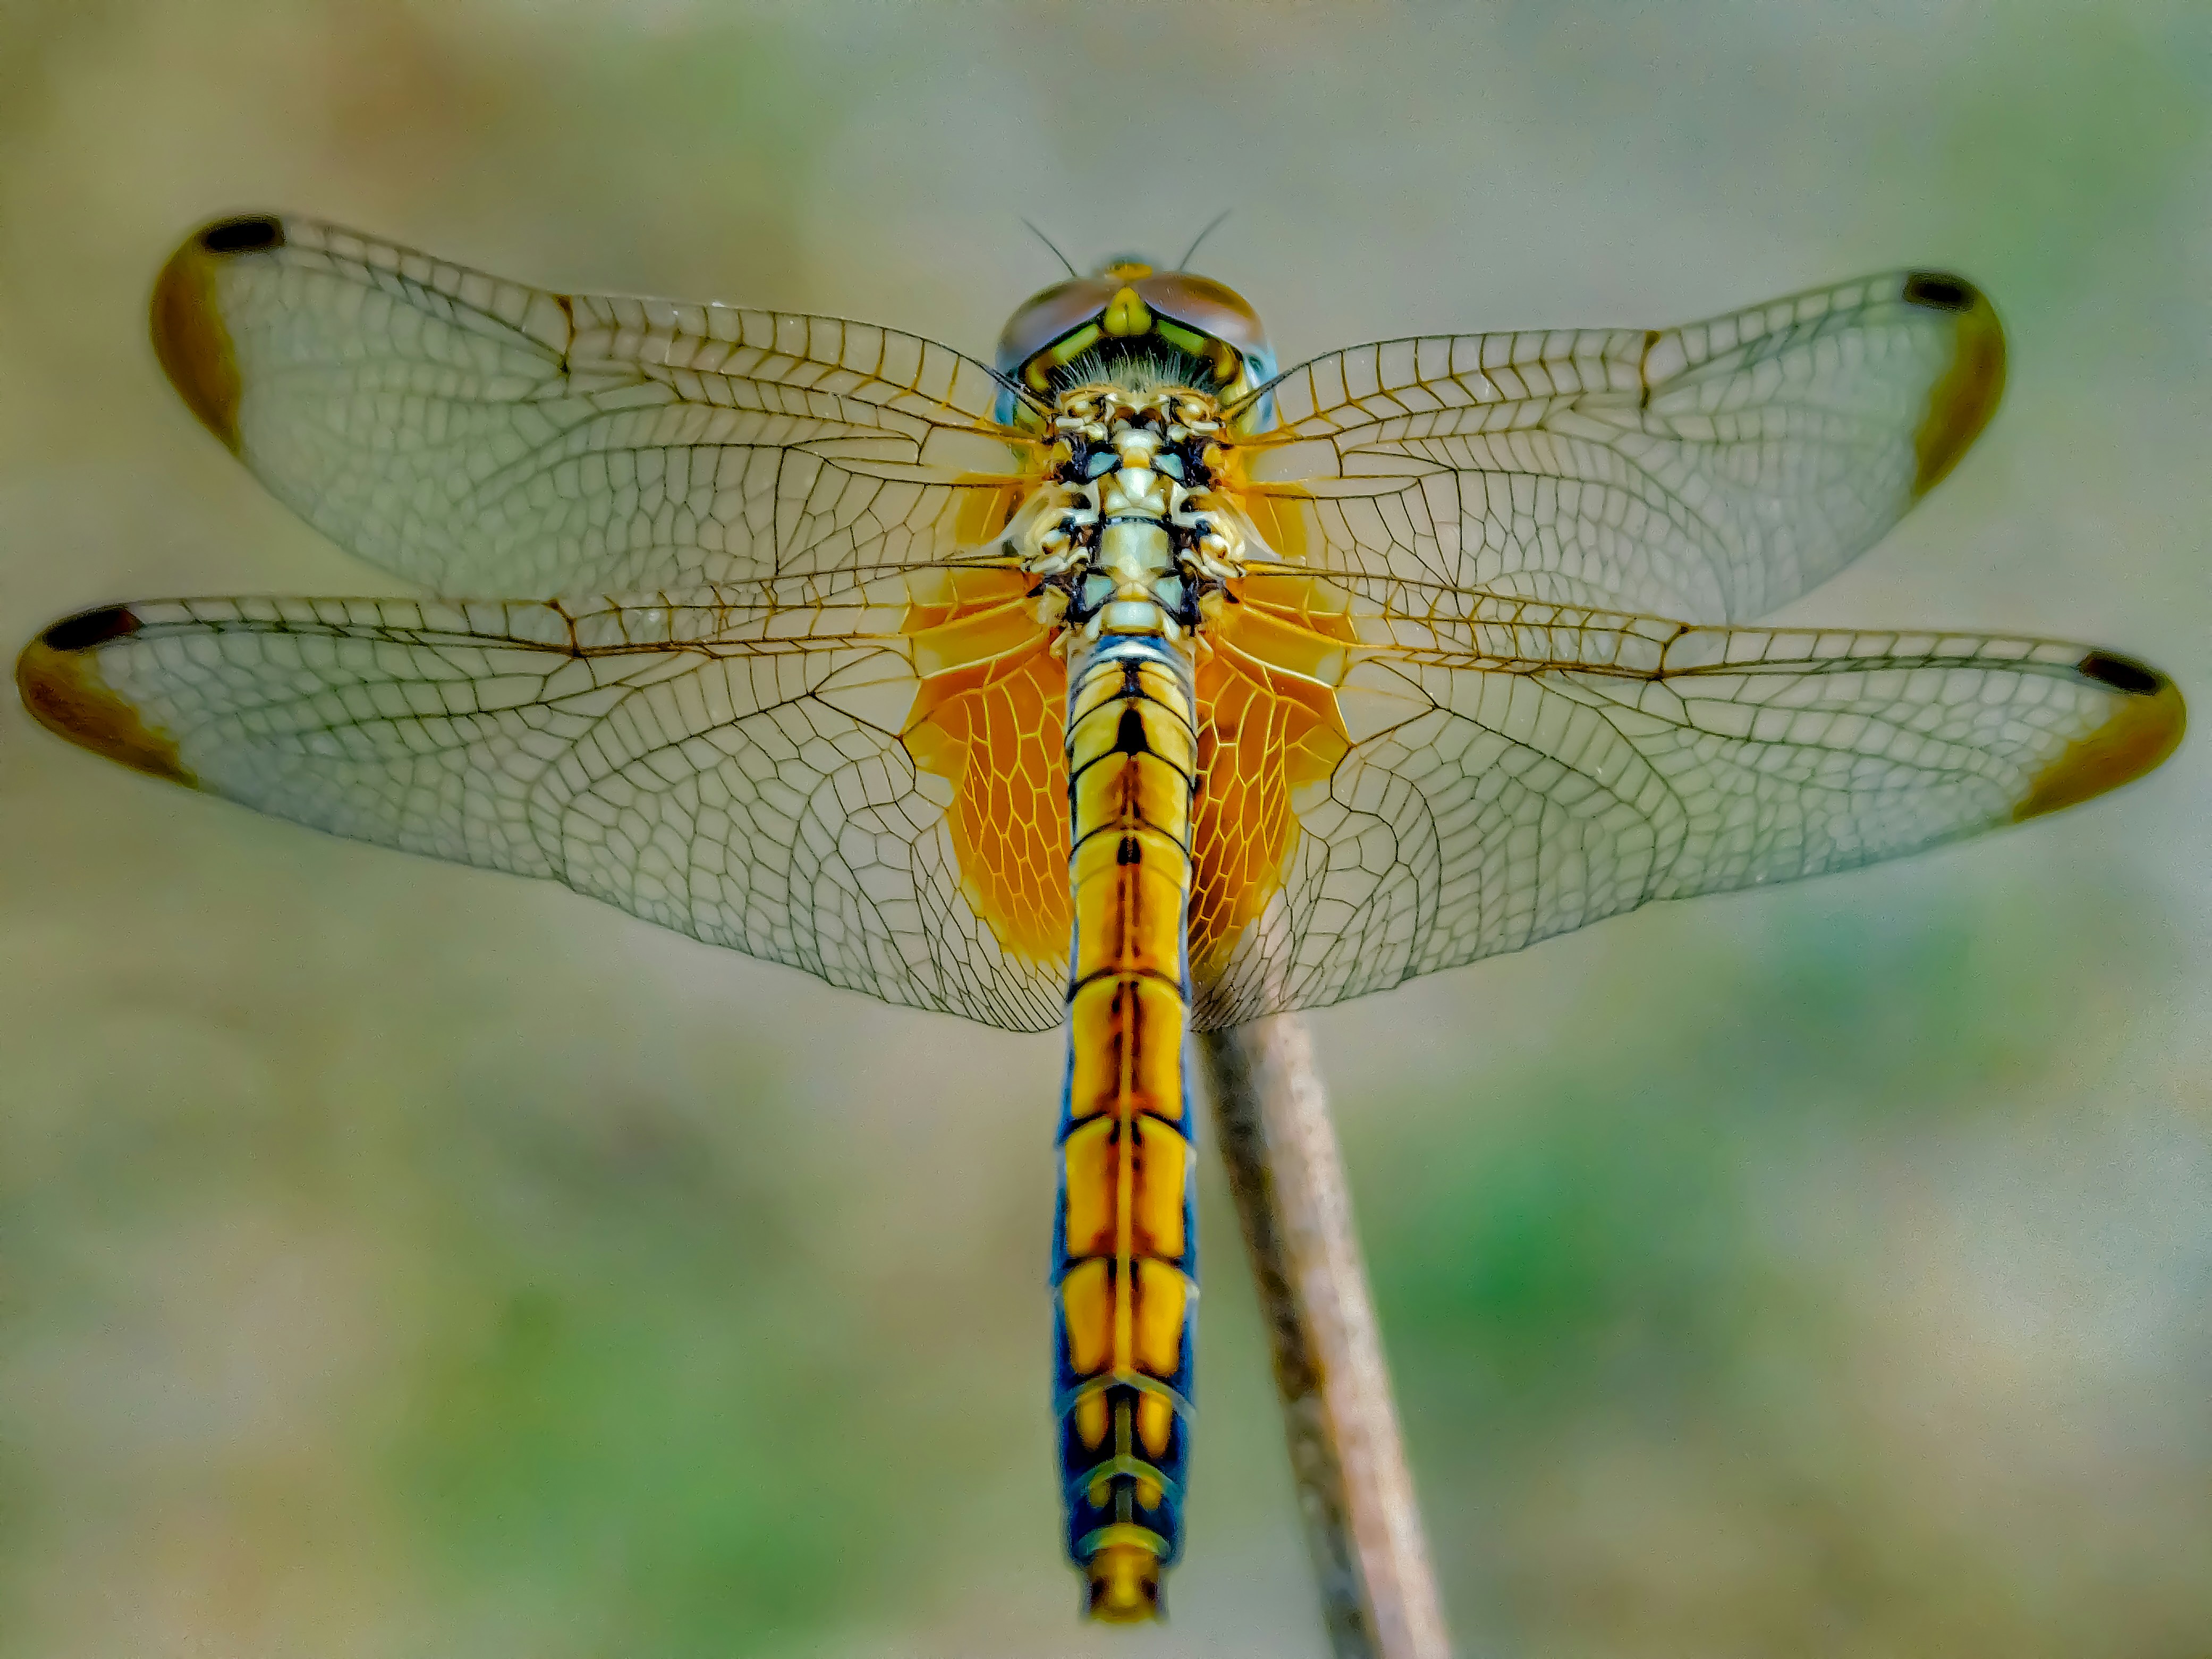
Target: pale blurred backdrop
[398,1260]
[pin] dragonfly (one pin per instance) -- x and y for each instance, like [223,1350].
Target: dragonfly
[1127,683]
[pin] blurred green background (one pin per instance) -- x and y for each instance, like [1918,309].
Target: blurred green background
[400,1261]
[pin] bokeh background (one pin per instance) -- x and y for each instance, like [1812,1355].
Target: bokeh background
[400,1261]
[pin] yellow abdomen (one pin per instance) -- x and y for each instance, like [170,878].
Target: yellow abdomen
[1125,1261]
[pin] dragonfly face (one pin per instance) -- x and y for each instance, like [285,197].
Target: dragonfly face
[1131,322]
[1128,686]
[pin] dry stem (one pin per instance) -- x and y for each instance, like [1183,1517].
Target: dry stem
[1363,1527]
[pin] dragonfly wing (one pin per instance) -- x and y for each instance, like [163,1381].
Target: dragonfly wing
[1715,470]
[1530,768]
[687,760]
[477,436]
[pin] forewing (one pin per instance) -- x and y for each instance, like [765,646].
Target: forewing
[478,436]
[1526,768]
[1715,470]
[725,764]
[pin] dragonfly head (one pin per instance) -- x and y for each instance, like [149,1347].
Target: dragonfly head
[1128,323]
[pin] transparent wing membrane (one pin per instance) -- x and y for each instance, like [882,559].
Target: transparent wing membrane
[675,758]
[479,436]
[730,765]
[1531,769]
[825,726]
[1714,471]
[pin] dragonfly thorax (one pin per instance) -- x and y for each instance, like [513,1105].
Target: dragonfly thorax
[1128,531]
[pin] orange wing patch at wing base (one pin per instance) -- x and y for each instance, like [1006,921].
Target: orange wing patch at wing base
[1268,723]
[1278,510]
[989,719]
[59,679]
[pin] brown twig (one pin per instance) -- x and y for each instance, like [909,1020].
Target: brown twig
[1363,1527]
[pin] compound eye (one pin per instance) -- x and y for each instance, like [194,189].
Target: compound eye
[1049,314]
[1212,308]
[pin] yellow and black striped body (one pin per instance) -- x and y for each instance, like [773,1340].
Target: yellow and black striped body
[1125,1261]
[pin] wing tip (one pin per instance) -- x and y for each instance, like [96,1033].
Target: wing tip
[1942,290]
[2138,736]
[1965,394]
[240,233]
[58,678]
[89,629]
[189,336]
